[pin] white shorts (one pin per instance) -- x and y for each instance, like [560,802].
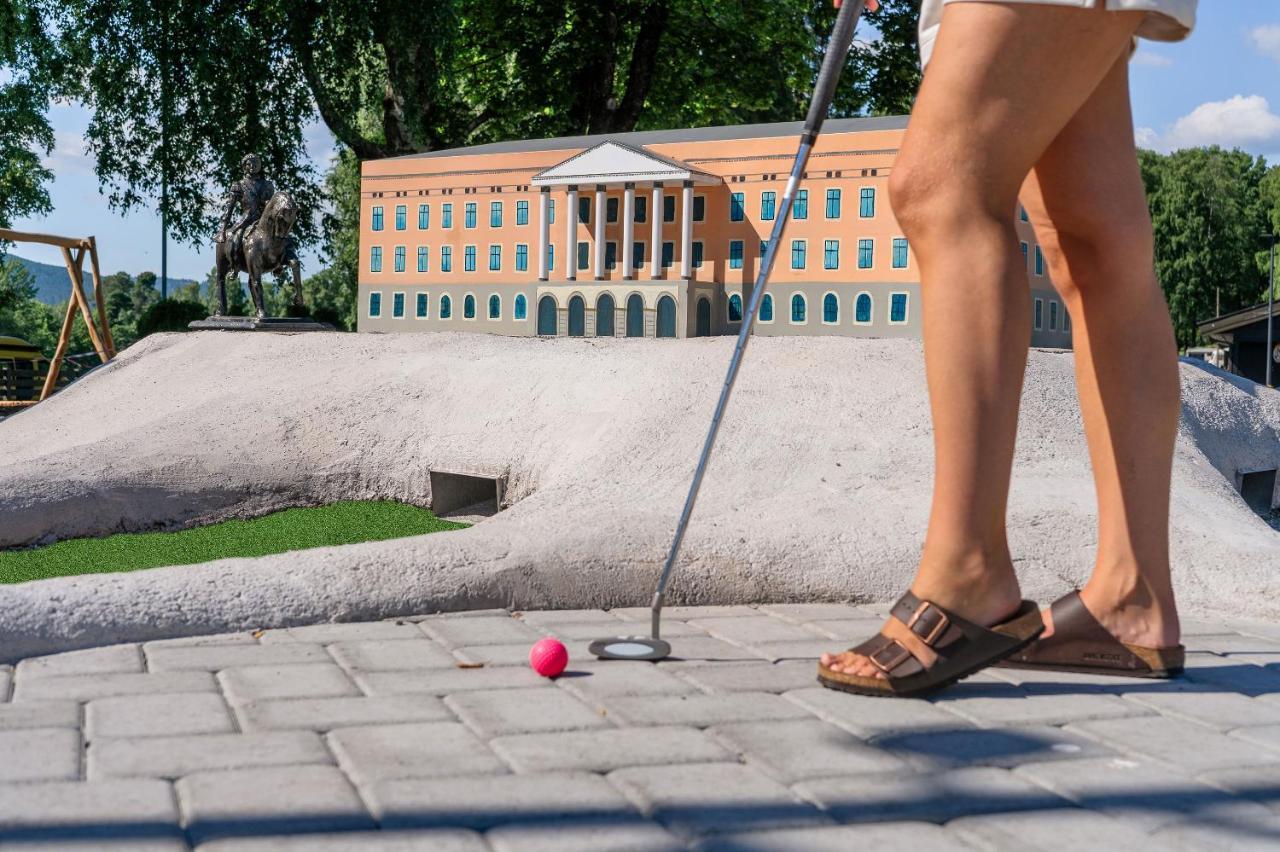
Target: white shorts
[1167,20]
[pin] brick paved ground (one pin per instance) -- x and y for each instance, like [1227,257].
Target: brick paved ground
[430,733]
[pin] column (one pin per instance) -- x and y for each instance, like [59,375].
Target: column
[544,230]
[655,219]
[686,231]
[571,237]
[628,230]
[600,217]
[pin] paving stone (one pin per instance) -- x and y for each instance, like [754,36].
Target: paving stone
[1245,678]
[303,680]
[239,802]
[685,613]
[483,802]
[701,711]
[928,751]
[931,797]
[40,754]
[756,629]
[706,649]
[1056,830]
[516,654]
[494,712]
[916,836]
[847,631]
[131,844]
[582,631]
[433,840]
[626,834]
[39,714]
[801,613]
[1265,735]
[325,714]
[606,750]
[173,757]
[603,678]
[1211,707]
[704,798]
[425,750]
[6,680]
[65,810]
[89,687]
[327,633]
[1014,709]
[114,659]
[798,649]
[568,616]
[756,676]
[1187,745]
[1231,643]
[158,715]
[804,748]
[196,641]
[392,655]
[449,616]
[212,658]
[494,630]
[447,681]
[866,715]
[1260,784]
[1240,834]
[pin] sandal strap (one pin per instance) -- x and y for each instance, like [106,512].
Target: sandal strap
[934,626]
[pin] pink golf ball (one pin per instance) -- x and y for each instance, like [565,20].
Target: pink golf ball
[548,656]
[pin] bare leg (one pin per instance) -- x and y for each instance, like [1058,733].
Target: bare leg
[1003,83]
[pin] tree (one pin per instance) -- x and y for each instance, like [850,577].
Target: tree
[27,60]
[1269,195]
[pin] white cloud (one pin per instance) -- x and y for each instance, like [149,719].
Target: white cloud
[69,154]
[1147,59]
[1266,40]
[1146,137]
[1243,121]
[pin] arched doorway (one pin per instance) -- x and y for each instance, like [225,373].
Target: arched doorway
[703,328]
[547,316]
[666,317]
[635,316]
[604,316]
[577,317]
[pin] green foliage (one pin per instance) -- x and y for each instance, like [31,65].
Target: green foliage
[27,60]
[292,529]
[170,315]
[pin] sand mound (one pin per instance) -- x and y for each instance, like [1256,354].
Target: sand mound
[819,488]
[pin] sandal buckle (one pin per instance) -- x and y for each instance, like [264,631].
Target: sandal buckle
[937,630]
[898,659]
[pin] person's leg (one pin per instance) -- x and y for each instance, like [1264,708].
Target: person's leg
[1086,200]
[1003,82]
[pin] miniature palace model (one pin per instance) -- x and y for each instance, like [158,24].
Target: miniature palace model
[651,234]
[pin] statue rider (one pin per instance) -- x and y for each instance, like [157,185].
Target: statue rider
[251,193]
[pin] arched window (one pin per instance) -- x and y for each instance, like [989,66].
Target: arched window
[830,308]
[577,317]
[766,308]
[469,307]
[604,316]
[547,316]
[703,326]
[521,307]
[862,308]
[495,307]
[735,308]
[798,308]
[635,315]
[666,317]
[446,307]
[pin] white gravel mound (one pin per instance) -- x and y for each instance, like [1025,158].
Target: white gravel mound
[819,489]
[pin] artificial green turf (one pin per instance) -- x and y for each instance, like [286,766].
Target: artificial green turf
[292,529]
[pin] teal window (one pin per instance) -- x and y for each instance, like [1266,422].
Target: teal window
[697,255]
[377,218]
[584,209]
[866,253]
[423,254]
[830,308]
[397,305]
[446,307]
[642,208]
[421,306]
[446,216]
[768,205]
[735,308]
[446,258]
[766,308]
[1039,314]
[470,221]
[399,259]
[522,307]
[735,254]
[798,308]
[611,209]
[375,259]
[469,307]
[1039,261]
[522,212]
[831,254]
[584,255]
[798,252]
[637,256]
[424,217]
[495,307]
[551,257]
[898,307]
[375,304]
[764,248]
[737,212]
[867,202]
[699,208]
[469,259]
[401,215]
[899,252]
[668,254]
[1025,248]
[862,308]
[522,258]
[495,214]
[611,255]
[833,204]
[1053,315]
[800,208]
[1022,213]
[495,258]
[668,208]
[551,211]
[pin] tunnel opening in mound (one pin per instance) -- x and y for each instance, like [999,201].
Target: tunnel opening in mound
[1258,488]
[453,492]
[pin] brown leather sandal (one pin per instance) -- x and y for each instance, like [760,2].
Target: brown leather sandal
[1080,644]
[962,648]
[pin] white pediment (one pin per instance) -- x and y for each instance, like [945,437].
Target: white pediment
[613,162]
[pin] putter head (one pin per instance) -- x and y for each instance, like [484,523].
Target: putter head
[631,648]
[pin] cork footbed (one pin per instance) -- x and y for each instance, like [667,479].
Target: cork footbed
[1023,627]
[1162,663]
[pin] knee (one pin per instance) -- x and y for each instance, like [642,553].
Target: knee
[929,198]
[1090,247]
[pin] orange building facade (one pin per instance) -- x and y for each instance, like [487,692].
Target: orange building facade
[650,234]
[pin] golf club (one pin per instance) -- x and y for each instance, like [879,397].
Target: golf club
[652,647]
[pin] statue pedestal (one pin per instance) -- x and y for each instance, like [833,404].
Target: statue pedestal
[293,324]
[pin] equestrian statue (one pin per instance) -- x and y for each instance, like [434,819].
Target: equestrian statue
[259,241]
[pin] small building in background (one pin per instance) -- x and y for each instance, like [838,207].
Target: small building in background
[1243,334]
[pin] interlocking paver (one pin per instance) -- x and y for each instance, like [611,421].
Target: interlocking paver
[606,750]
[114,659]
[39,714]
[196,641]
[1231,643]
[1257,783]
[754,676]
[626,834]
[132,844]
[568,616]
[447,681]
[130,809]
[916,836]
[430,840]
[515,654]
[89,687]
[494,712]
[173,757]
[425,750]
[238,802]
[1215,708]
[1252,833]
[483,802]
[326,633]
[6,680]
[1013,709]
[1057,830]
[846,631]
[326,714]
[797,649]
[303,680]
[157,715]
[804,748]
[493,630]
[802,613]
[704,798]
[602,678]
[40,754]
[700,710]
[1167,740]
[1264,735]
[1233,675]
[212,658]
[867,715]
[931,750]
[685,613]
[703,648]
[756,629]
[392,655]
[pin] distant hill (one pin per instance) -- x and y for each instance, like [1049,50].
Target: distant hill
[54,286]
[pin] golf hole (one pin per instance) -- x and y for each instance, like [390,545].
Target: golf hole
[452,491]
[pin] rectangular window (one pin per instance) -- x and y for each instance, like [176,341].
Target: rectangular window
[375,305]
[798,251]
[1022,213]
[402,212]
[611,209]
[551,257]
[495,258]
[399,258]
[495,214]
[522,258]
[522,212]
[375,259]
[898,308]
[833,204]
[768,206]
[469,259]
[584,255]
[737,212]
[424,217]
[1039,261]
[584,209]
[610,255]
[551,211]
[642,208]
[697,255]
[637,256]
[866,250]
[423,254]
[421,306]
[699,208]
[668,254]
[446,259]
[831,254]
[867,202]
[397,305]
[800,209]
[668,208]
[470,221]
[1025,248]
[735,254]
[377,218]
[446,216]
[899,252]
[764,248]
[1039,314]
[1053,315]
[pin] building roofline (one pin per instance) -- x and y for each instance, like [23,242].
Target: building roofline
[1235,319]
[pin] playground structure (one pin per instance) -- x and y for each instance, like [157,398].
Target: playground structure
[74,251]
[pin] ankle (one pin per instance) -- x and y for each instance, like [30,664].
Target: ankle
[1135,610]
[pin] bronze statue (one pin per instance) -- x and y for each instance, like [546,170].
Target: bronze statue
[259,242]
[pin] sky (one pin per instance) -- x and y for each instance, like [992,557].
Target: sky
[1221,86]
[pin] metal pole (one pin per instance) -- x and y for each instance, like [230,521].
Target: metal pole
[164,155]
[1271,315]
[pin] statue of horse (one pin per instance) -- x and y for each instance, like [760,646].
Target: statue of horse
[266,247]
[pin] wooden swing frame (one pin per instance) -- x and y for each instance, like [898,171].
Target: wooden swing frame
[74,250]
